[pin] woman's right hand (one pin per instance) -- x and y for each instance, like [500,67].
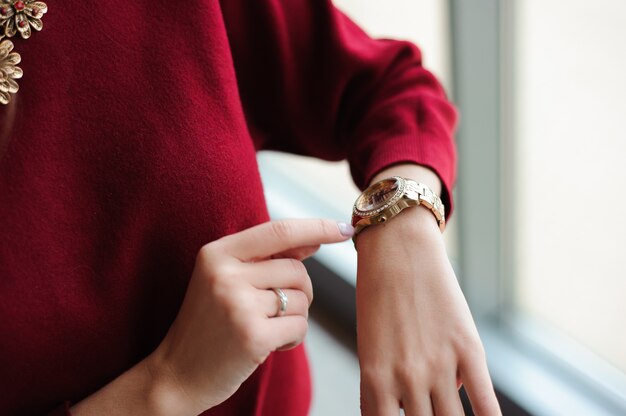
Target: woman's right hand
[227,325]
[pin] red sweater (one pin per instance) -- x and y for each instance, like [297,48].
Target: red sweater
[135,143]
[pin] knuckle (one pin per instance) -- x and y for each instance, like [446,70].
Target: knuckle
[439,361]
[436,364]
[205,254]
[297,267]
[373,376]
[214,248]
[309,292]
[298,304]
[282,230]
[477,345]
[412,374]
[327,228]
[474,348]
[479,351]
[210,263]
[302,328]
[218,275]
[469,341]
[204,251]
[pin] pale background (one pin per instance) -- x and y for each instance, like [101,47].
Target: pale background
[571,169]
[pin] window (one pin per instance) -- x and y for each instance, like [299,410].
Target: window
[541,94]
[570,170]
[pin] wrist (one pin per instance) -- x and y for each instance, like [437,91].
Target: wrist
[145,389]
[416,225]
[399,206]
[164,392]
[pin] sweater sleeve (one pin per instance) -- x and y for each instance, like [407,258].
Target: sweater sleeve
[313,83]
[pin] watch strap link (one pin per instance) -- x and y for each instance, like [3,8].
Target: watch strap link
[425,196]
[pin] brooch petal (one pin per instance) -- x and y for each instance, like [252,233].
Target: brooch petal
[9,72]
[16,16]
[20,15]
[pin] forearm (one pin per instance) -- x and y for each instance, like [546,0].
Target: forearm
[416,337]
[142,390]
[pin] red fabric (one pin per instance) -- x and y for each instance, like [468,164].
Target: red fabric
[134,144]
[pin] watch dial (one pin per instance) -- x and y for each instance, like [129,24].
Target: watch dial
[377,195]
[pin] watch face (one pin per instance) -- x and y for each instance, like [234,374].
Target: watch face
[377,195]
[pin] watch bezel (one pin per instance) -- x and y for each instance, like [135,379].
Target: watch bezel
[392,201]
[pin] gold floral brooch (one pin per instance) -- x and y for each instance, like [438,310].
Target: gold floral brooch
[16,16]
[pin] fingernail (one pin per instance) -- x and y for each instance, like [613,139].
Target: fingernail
[345,229]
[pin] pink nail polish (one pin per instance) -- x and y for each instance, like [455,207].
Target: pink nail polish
[345,229]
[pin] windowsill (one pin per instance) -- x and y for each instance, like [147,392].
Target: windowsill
[549,374]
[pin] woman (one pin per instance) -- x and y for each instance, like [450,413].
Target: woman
[137,265]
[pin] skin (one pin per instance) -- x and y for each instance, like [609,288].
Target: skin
[226,326]
[416,338]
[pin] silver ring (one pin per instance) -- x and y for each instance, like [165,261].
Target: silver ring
[283,301]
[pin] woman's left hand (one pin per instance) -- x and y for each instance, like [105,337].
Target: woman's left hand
[417,341]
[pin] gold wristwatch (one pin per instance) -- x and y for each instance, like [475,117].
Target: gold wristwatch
[387,198]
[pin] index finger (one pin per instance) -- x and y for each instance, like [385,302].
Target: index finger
[273,237]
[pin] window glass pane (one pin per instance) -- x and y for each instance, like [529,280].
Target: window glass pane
[570,169]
